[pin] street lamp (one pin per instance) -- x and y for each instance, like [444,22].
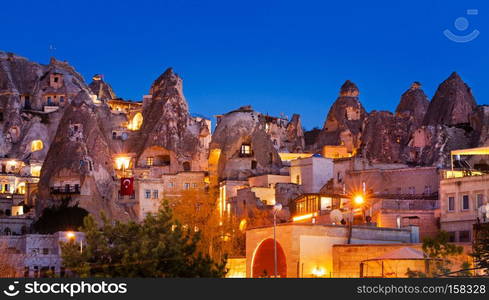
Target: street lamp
[70,235]
[358,200]
[276,208]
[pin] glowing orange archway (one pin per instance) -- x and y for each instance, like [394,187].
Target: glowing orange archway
[263,262]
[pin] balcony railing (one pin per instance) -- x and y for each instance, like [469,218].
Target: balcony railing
[132,196]
[72,189]
[413,204]
[449,174]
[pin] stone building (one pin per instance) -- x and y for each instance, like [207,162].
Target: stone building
[312,172]
[306,250]
[464,193]
[38,255]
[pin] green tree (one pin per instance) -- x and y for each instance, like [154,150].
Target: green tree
[158,247]
[220,236]
[480,247]
[440,250]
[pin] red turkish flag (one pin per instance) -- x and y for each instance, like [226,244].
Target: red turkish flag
[127,186]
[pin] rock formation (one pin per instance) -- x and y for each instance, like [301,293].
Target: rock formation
[345,119]
[385,136]
[243,146]
[419,133]
[168,124]
[101,89]
[26,89]
[413,104]
[452,104]
[81,156]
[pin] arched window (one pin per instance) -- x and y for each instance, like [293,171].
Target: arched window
[7,231]
[36,145]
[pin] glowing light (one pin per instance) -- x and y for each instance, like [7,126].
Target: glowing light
[358,199]
[36,145]
[291,156]
[21,188]
[242,225]
[70,235]
[122,162]
[318,272]
[136,122]
[36,171]
[303,217]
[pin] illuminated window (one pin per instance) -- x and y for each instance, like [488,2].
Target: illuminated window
[326,203]
[36,171]
[122,163]
[36,145]
[245,150]
[21,188]
[186,186]
[149,161]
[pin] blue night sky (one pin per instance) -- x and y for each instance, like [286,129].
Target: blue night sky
[278,56]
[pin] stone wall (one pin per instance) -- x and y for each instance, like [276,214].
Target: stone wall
[347,259]
[308,247]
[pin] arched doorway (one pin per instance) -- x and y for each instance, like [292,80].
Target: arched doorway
[263,261]
[136,122]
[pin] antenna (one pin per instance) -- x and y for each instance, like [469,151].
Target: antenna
[52,49]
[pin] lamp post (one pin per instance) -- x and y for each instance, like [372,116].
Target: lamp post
[276,208]
[70,235]
[358,200]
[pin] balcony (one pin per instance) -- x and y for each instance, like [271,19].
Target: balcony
[412,204]
[68,189]
[450,174]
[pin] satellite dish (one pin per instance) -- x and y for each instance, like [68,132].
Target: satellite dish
[336,216]
[124,136]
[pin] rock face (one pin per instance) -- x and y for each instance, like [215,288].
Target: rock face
[87,138]
[479,121]
[452,104]
[168,124]
[385,137]
[241,147]
[294,140]
[414,104]
[345,120]
[81,156]
[101,89]
[26,90]
[419,133]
